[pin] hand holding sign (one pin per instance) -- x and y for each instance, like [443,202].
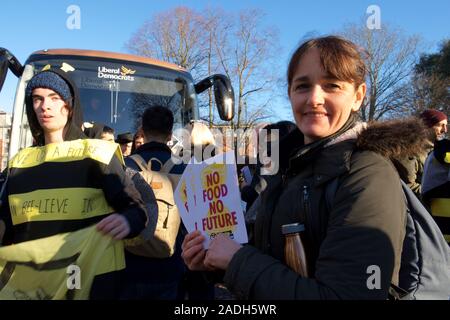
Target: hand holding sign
[221,251]
[213,199]
[193,251]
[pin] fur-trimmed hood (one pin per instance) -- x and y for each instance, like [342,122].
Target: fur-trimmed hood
[395,139]
[392,139]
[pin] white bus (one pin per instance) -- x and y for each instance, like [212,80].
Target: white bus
[115,88]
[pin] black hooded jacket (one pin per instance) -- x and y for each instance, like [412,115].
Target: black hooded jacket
[436,182]
[360,231]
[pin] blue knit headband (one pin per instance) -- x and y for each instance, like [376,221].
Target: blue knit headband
[49,80]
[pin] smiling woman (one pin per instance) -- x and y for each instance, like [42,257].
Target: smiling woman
[326,84]
[357,226]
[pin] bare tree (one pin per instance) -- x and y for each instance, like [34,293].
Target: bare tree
[390,58]
[175,36]
[217,42]
[216,22]
[246,54]
[425,92]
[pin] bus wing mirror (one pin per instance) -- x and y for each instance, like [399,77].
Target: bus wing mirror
[8,61]
[223,94]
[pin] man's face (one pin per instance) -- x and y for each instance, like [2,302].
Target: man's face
[440,129]
[51,111]
[107,136]
[126,148]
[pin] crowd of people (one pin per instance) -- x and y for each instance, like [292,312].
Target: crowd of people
[362,224]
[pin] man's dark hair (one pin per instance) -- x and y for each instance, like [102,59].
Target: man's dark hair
[284,127]
[107,129]
[157,120]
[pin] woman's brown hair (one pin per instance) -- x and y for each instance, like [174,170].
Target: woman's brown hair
[339,57]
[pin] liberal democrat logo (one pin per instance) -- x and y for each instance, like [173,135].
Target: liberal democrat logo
[125,71]
[122,73]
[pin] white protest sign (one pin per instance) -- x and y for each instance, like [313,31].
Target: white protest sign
[185,197]
[218,200]
[181,199]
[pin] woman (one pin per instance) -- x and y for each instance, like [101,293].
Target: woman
[199,143]
[353,244]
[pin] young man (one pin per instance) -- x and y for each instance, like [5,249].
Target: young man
[107,134]
[64,167]
[125,140]
[155,278]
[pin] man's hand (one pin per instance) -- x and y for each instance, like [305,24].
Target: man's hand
[115,225]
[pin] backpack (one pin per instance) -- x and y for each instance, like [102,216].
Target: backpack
[425,262]
[160,244]
[148,197]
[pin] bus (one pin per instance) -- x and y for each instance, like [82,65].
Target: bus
[115,89]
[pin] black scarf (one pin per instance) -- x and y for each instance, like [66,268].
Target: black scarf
[292,144]
[305,153]
[441,148]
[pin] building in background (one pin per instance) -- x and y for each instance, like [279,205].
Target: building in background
[5,133]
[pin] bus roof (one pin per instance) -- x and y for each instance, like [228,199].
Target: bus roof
[108,55]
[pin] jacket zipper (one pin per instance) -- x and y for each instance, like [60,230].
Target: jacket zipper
[305,198]
[309,223]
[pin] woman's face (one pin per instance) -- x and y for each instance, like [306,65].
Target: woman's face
[321,104]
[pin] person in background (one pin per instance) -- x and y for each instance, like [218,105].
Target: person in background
[95,130]
[436,185]
[200,142]
[411,168]
[107,134]
[148,277]
[138,140]
[250,191]
[125,140]
[437,122]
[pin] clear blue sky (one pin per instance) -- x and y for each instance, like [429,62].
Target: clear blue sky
[26,26]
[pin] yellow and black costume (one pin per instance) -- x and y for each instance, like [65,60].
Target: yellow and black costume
[63,187]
